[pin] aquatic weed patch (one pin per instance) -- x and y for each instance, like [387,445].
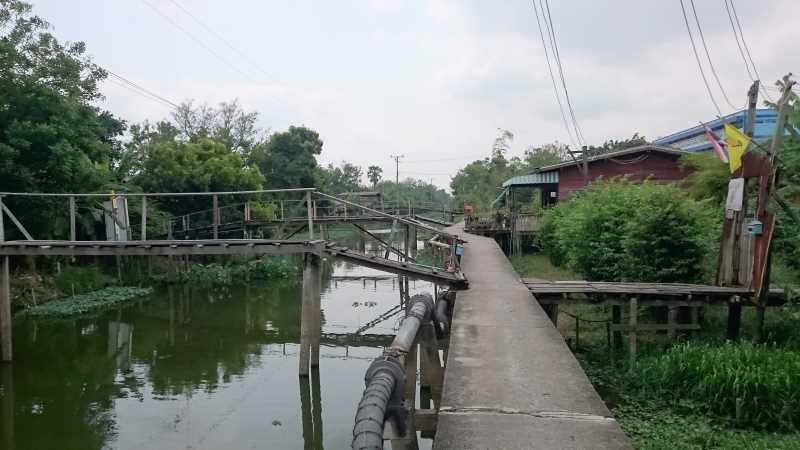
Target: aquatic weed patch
[84,303]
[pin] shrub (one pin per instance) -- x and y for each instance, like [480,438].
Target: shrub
[622,231]
[763,379]
[263,211]
[82,279]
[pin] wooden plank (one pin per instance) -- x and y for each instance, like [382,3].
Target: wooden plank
[633,318]
[144,219]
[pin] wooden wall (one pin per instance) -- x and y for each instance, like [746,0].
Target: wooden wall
[654,165]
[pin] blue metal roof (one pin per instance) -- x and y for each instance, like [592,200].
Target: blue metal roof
[533,179]
[694,139]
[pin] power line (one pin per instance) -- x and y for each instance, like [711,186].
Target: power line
[554,42]
[697,58]
[708,57]
[144,91]
[746,49]
[198,41]
[137,92]
[552,77]
[221,38]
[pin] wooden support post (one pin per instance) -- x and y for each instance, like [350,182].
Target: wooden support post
[672,319]
[215,206]
[311,275]
[72,230]
[316,313]
[694,310]
[633,321]
[310,211]
[616,319]
[144,218]
[409,441]
[758,332]
[7,407]
[283,214]
[577,331]
[5,309]
[306,414]
[316,407]
[734,318]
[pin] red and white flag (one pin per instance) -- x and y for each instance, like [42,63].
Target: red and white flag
[719,147]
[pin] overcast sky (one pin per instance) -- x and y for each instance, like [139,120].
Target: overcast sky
[432,80]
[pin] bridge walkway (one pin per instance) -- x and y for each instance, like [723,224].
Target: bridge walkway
[511,381]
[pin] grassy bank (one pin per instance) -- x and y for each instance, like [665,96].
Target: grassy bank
[683,394]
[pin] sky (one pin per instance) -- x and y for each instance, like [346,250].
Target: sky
[430,80]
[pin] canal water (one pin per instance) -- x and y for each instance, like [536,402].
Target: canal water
[199,369]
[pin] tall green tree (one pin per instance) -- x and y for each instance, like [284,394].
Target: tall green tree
[52,138]
[288,159]
[202,166]
[374,173]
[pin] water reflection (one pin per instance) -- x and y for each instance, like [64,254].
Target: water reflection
[197,369]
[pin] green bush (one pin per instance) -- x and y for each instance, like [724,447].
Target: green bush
[623,231]
[763,379]
[263,211]
[215,274]
[82,279]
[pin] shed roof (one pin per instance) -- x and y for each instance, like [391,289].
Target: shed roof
[532,179]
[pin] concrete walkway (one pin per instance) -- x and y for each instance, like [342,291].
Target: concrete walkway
[511,381]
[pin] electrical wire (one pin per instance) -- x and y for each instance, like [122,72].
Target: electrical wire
[708,57]
[552,31]
[145,92]
[198,41]
[746,49]
[222,39]
[115,82]
[697,58]
[552,76]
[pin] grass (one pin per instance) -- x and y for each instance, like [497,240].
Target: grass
[85,303]
[538,265]
[679,396]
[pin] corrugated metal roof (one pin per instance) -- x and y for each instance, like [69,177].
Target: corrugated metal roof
[627,151]
[533,179]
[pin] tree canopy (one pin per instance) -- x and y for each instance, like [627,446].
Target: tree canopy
[288,159]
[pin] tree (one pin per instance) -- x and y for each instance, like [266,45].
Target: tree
[374,173]
[545,155]
[288,159]
[337,180]
[228,123]
[613,145]
[52,138]
[202,166]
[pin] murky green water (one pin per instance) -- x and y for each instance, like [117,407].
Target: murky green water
[194,369]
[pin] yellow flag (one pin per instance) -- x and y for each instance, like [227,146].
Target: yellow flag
[737,144]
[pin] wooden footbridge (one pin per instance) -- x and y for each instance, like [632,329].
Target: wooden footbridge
[125,239]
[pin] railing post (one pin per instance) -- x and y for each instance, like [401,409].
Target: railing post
[144,218]
[72,230]
[310,209]
[216,216]
[283,214]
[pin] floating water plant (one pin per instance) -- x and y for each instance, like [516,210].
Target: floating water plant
[84,303]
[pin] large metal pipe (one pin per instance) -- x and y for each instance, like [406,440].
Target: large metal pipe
[385,380]
[440,314]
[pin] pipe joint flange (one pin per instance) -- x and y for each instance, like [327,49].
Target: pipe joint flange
[388,364]
[423,316]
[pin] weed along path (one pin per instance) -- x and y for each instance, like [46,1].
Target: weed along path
[511,381]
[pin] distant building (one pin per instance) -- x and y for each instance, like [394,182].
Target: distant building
[649,161]
[694,139]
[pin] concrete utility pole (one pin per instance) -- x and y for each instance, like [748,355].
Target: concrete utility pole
[397,159]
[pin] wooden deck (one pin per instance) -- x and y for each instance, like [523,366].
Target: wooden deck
[666,294]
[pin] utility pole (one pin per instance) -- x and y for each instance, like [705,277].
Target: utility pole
[397,159]
[735,225]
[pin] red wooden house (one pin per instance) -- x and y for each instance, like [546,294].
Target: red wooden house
[654,162]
